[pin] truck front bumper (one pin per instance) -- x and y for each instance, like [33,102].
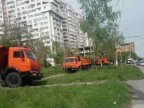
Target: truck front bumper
[70,69]
[36,75]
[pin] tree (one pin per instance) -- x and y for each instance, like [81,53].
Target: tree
[58,53]
[14,35]
[99,23]
[5,40]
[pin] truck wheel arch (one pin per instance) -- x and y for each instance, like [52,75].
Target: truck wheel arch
[8,71]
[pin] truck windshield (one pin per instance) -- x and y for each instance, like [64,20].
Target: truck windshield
[70,60]
[30,55]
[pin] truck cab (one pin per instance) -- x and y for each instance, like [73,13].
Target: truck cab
[75,63]
[103,61]
[18,64]
[71,64]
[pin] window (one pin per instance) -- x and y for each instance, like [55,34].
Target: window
[24,17]
[18,54]
[31,55]
[38,4]
[70,60]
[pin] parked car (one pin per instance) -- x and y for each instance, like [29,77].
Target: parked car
[129,62]
[140,63]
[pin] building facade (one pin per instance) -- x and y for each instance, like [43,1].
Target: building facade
[48,20]
[1,18]
[81,36]
[43,18]
[69,25]
[74,38]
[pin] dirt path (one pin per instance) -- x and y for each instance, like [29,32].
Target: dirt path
[54,76]
[70,84]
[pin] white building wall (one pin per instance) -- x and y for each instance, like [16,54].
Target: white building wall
[69,27]
[73,36]
[42,18]
[1,19]
[47,20]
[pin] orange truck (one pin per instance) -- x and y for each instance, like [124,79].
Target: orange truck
[75,63]
[103,60]
[18,64]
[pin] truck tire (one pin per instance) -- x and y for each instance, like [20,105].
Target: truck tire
[13,80]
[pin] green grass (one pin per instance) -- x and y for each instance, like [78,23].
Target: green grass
[102,73]
[86,96]
[111,94]
[52,71]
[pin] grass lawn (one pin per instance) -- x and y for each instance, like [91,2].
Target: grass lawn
[109,95]
[102,73]
[52,71]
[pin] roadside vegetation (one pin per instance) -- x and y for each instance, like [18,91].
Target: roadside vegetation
[108,95]
[112,93]
[101,73]
[100,24]
[50,71]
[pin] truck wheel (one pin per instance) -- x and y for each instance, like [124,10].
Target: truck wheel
[13,80]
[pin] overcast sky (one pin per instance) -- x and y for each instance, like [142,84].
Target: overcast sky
[131,22]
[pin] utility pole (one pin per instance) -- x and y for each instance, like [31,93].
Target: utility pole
[116,55]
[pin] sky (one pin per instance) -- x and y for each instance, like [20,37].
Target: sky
[131,23]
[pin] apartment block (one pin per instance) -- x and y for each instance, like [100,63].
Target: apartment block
[69,25]
[81,36]
[74,38]
[43,18]
[1,18]
[48,20]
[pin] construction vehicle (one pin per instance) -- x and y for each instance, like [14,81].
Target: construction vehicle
[103,61]
[18,64]
[74,63]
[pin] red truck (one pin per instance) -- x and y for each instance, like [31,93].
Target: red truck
[103,60]
[18,64]
[75,63]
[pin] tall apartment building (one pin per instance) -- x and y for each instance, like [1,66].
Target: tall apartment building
[49,20]
[69,24]
[1,18]
[42,18]
[81,37]
[73,36]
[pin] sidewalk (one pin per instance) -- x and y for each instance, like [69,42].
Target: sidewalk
[137,88]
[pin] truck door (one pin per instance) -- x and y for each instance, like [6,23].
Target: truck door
[18,60]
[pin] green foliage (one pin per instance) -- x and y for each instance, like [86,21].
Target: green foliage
[102,73]
[100,24]
[58,53]
[5,40]
[14,37]
[125,55]
[50,71]
[40,51]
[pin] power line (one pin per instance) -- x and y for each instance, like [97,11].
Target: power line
[135,36]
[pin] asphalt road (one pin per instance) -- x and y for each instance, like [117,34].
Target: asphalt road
[137,89]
